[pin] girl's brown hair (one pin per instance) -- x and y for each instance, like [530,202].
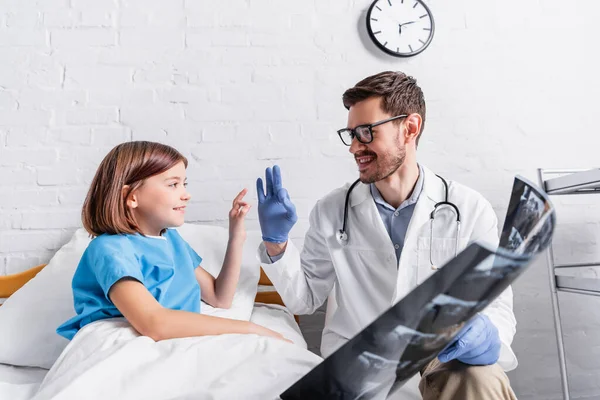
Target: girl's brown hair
[105,209]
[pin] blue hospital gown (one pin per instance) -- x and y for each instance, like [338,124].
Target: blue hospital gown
[164,265]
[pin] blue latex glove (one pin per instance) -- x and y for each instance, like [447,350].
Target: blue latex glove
[276,213]
[477,344]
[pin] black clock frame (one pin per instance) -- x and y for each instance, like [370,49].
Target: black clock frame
[391,52]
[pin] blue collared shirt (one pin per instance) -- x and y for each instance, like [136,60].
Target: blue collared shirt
[396,220]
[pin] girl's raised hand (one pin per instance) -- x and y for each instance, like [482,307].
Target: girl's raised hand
[237,215]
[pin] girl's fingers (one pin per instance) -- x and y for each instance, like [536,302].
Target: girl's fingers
[240,211]
[238,206]
[240,196]
[245,209]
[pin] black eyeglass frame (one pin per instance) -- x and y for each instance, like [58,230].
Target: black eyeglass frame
[370,127]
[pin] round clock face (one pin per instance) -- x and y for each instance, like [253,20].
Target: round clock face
[401,28]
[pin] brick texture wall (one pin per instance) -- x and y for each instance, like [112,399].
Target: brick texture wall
[240,85]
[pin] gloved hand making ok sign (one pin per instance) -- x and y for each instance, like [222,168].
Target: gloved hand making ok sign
[276,212]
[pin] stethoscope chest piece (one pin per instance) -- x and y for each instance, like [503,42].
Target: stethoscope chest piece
[342,237]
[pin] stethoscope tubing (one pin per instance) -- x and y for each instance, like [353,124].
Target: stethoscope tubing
[342,234]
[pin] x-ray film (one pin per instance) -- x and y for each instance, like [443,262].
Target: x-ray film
[405,338]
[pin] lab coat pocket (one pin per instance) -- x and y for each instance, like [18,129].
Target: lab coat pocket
[364,271]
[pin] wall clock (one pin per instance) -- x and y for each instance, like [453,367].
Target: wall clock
[401,28]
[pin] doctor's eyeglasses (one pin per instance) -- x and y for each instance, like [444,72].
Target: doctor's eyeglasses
[363,133]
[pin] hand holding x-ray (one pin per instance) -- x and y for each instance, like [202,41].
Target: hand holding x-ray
[477,344]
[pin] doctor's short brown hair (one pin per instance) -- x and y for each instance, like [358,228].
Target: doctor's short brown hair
[128,164]
[399,93]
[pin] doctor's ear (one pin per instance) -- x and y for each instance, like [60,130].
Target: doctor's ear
[413,125]
[130,198]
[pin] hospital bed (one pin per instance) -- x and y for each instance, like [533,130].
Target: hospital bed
[22,382]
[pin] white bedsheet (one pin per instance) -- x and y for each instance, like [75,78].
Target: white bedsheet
[19,383]
[109,360]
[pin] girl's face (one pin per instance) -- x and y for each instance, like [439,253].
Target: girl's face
[161,200]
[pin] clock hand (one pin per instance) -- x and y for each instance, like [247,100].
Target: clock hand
[407,23]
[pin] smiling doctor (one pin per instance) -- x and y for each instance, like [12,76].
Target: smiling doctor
[371,243]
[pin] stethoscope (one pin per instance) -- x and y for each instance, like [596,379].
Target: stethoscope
[342,234]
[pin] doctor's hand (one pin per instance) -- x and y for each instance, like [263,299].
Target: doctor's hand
[276,212]
[477,344]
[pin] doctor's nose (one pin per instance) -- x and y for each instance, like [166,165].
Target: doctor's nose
[356,146]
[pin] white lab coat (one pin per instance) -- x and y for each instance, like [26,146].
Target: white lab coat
[363,279]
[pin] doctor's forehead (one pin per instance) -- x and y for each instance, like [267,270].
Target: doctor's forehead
[366,112]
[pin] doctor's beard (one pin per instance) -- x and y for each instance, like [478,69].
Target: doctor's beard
[382,166]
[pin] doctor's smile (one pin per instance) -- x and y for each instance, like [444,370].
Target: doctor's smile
[364,160]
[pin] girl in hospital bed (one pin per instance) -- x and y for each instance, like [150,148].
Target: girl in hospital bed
[136,266]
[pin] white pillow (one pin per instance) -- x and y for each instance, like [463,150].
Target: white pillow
[210,242]
[29,318]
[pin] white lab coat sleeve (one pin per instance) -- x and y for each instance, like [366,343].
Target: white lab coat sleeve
[500,311]
[303,281]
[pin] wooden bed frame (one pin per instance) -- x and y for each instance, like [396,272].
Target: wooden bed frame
[11,283]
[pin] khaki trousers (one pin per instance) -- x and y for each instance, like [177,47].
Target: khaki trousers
[457,381]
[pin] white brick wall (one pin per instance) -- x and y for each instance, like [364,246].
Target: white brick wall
[240,85]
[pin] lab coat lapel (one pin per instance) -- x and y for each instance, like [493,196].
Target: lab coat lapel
[364,207]
[433,192]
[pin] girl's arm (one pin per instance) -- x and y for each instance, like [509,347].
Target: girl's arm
[151,319]
[219,292]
